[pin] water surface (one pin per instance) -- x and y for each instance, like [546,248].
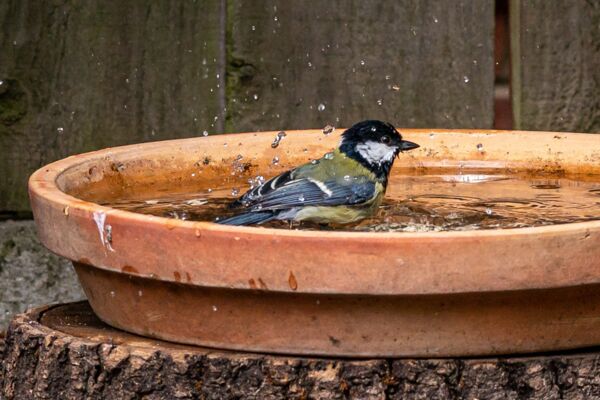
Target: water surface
[425,201]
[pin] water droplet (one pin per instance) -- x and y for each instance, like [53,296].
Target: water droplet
[321,107]
[280,135]
[275,160]
[314,162]
[60,130]
[488,211]
[373,129]
[362,62]
[346,177]
[328,129]
[435,20]
[253,27]
[205,133]
[379,102]
[112,293]
[329,156]
[275,18]
[234,191]
[1,83]
[466,79]
[140,293]
[309,64]
[214,308]
[209,190]
[480,147]
[301,198]
[395,87]
[255,96]
[259,180]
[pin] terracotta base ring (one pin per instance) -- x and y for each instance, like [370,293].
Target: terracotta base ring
[357,326]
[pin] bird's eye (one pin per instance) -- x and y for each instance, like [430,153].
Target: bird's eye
[385,139]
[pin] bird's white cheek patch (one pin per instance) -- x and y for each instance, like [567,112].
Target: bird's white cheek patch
[376,152]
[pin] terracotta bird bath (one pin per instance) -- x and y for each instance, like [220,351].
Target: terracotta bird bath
[334,293]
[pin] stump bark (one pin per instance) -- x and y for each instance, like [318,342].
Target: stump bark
[65,352]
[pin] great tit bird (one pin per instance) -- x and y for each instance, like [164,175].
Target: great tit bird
[341,187]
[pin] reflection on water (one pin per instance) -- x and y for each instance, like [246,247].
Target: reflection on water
[414,202]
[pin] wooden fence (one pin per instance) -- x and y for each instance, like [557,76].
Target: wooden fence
[78,76]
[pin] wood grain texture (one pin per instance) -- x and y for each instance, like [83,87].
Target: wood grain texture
[556,65]
[67,353]
[416,64]
[79,76]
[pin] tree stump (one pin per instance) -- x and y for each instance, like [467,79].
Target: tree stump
[65,352]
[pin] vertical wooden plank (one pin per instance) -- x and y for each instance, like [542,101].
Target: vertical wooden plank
[415,63]
[555,52]
[79,76]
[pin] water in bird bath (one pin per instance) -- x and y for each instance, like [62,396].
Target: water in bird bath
[428,200]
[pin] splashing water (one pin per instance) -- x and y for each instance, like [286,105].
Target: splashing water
[427,201]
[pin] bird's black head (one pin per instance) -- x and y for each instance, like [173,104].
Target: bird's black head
[374,144]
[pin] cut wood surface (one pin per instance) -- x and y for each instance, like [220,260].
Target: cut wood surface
[65,352]
[555,54]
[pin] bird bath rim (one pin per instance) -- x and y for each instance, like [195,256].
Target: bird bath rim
[82,240]
[349,294]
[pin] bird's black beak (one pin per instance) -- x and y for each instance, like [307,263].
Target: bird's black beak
[405,145]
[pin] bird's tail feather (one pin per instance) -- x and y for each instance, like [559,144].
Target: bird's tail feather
[249,218]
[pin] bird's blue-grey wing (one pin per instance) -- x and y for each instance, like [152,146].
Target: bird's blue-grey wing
[310,192]
[254,195]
